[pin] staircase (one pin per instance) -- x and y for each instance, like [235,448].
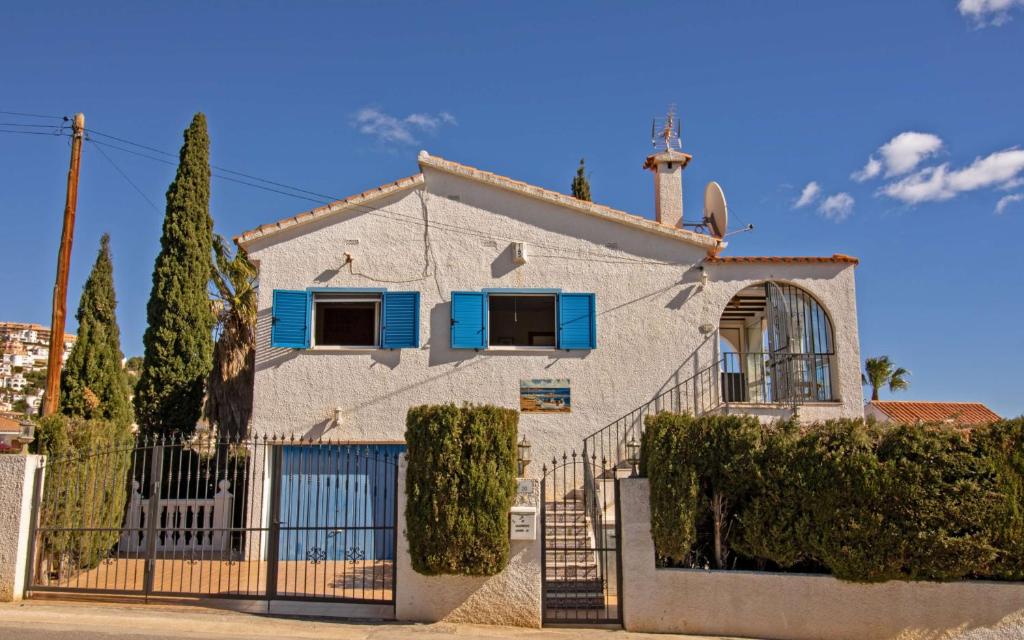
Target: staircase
[572,579]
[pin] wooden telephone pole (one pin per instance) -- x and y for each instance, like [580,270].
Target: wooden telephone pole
[60,288]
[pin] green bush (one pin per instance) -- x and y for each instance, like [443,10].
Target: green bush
[704,468]
[460,484]
[85,488]
[673,486]
[865,502]
[1003,443]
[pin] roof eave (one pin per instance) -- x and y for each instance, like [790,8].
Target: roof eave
[333,208]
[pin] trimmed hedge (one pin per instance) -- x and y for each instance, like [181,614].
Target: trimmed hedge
[862,501]
[460,484]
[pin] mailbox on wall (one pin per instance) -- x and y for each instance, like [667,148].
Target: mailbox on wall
[523,523]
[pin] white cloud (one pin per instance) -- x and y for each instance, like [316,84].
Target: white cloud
[904,152]
[900,155]
[1006,201]
[1000,169]
[837,207]
[809,194]
[988,12]
[390,129]
[870,170]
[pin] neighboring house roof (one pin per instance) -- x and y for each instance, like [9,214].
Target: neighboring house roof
[9,426]
[917,412]
[840,258]
[508,184]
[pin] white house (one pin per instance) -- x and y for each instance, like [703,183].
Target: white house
[456,284]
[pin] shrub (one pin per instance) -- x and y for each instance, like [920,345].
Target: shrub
[866,502]
[702,470]
[673,486]
[460,484]
[85,489]
[1003,443]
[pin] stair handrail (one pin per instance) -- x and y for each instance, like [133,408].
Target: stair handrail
[698,394]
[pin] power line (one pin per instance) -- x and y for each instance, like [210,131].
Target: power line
[36,133]
[125,176]
[33,115]
[328,199]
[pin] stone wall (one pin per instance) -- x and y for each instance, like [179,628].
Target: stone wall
[797,606]
[511,598]
[17,488]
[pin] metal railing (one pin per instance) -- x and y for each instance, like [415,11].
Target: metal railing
[777,378]
[698,394]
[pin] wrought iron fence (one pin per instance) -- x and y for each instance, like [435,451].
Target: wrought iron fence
[264,518]
[777,378]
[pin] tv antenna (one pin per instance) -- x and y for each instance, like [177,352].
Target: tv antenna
[665,132]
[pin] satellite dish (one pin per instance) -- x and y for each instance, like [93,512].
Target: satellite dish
[716,213]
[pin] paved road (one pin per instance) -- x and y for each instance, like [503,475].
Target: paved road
[49,620]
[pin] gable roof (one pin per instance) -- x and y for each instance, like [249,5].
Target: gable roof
[569,202]
[918,412]
[485,177]
[332,208]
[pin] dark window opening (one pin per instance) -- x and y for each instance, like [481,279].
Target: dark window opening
[521,320]
[346,321]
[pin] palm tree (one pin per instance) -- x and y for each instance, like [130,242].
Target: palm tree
[229,388]
[880,372]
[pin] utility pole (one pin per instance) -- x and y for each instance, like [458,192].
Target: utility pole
[60,288]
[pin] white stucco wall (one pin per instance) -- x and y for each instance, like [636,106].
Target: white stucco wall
[511,598]
[800,607]
[17,485]
[649,308]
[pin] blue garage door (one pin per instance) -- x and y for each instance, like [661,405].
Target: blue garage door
[338,514]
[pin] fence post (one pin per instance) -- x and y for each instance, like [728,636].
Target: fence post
[21,487]
[273,544]
[156,473]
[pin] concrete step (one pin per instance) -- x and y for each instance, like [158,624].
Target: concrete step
[573,585]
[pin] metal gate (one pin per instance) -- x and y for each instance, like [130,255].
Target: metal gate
[260,518]
[581,576]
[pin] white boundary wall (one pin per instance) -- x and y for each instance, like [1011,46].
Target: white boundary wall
[17,488]
[800,607]
[511,598]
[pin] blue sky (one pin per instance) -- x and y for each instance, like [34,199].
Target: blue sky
[773,97]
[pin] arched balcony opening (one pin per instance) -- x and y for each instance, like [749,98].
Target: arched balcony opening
[776,346]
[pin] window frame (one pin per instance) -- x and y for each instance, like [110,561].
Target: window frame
[376,295]
[509,293]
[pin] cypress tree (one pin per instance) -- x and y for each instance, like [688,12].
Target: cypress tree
[178,341]
[93,385]
[580,184]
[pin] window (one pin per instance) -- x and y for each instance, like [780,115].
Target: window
[505,318]
[346,320]
[522,320]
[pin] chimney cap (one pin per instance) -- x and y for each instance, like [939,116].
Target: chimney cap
[667,156]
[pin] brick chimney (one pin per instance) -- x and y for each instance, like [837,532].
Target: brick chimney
[668,185]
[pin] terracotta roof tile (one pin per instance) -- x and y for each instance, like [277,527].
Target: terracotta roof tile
[839,258]
[917,412]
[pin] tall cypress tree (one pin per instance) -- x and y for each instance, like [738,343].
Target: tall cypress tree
[178,341]
[93,384]
[580,184]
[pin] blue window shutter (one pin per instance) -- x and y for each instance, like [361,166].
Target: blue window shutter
[400,320]
[577,321]
[290,319]
[469,320]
